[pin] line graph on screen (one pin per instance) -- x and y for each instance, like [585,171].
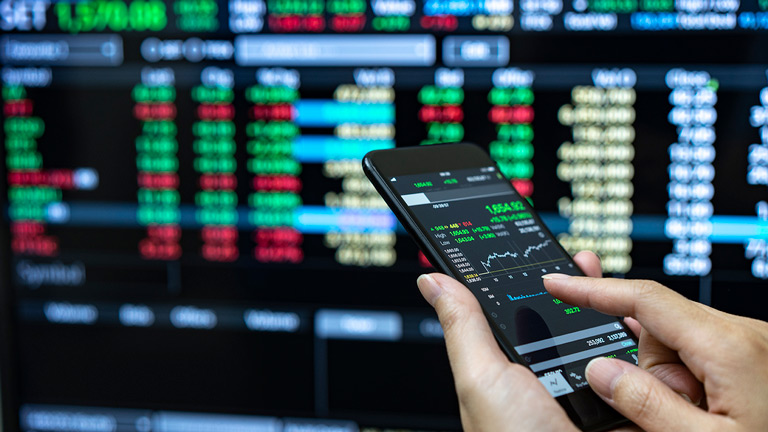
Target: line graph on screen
[521,258]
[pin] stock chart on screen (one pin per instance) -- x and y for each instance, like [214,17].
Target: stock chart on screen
[188,237]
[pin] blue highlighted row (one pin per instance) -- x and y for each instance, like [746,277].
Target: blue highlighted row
[753,20]
[331,113]
[661,21]
[654,21]
[320,220]
[465,7]
[737,229]
[725,229]
[319,149]
[307,219]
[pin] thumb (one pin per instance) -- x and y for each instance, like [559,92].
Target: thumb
[485,379]
[468,336]
[643,398]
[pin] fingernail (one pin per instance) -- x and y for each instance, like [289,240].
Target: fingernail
[555,276]
[688,399]
[602,374]
[429,288]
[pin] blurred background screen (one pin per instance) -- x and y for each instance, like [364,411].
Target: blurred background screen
[189,244]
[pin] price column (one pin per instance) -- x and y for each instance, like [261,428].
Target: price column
[598,165]
[354,136]
[32,192]
[693,98]
[511,98]
[276,183]
[441,111]
[214,148]
[757,174]
[157,164]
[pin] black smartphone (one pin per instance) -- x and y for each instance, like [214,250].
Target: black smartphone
[472,224]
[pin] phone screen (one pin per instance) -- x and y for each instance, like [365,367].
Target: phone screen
[492,240]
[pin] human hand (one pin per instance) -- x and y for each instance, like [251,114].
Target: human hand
[682,344]
[494,393]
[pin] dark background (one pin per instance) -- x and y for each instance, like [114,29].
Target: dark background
[404,384]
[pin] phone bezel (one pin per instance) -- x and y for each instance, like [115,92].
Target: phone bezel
[381,165]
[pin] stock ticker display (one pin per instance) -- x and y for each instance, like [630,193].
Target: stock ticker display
[188,237]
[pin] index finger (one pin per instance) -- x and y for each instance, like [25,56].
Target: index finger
[659,310]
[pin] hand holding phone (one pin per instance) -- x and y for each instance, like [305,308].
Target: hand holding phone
[472,224]
[494,392]
[713,358]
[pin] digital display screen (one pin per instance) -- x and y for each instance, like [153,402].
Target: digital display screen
[186,234]
[487,233]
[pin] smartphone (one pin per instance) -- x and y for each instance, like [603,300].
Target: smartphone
[472,224]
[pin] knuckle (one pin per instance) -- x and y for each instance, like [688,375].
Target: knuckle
[733,340]
[647,288]
[738,338]
[754,344]
[651,295]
